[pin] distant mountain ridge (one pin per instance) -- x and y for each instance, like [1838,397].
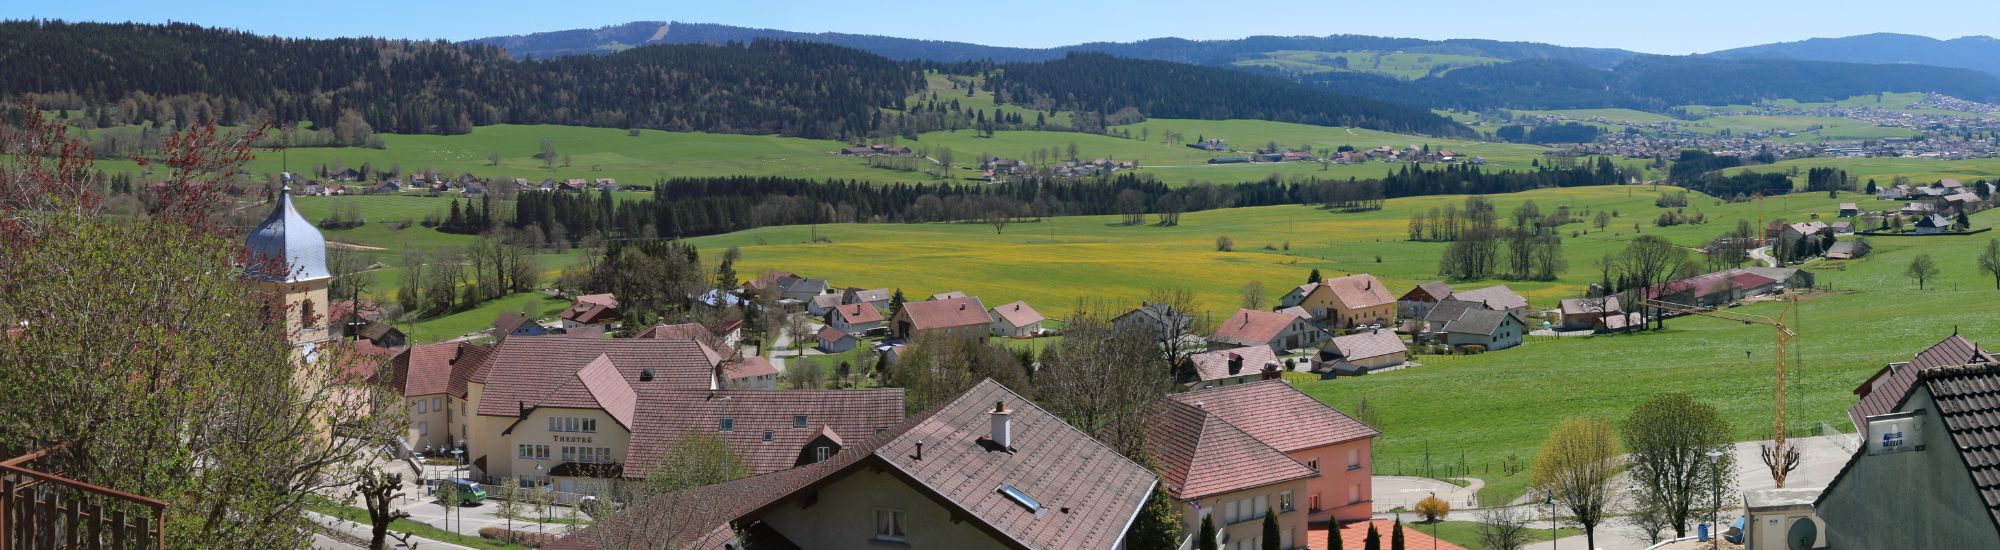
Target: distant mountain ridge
[1181,50]
[1979,53]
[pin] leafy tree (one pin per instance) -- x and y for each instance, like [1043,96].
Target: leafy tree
[1206,540]
[1666,440]
[935,366]
[1989,261]
[1922,268]
[232,423]
[1576,466]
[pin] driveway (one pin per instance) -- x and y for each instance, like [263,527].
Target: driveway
[1391,492]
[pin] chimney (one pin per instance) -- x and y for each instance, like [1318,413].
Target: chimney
[1003,425]
[1235,364]
[920,449]
[522,407]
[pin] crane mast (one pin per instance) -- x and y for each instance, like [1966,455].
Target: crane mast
[1780,458]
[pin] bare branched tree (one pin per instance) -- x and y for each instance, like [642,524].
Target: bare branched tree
[1097,379]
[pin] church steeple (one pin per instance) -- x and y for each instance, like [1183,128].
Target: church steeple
[288,259]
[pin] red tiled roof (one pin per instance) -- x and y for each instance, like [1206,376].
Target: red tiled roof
[606,300]
[946,313]
[667,416]
[507,323]
[1354,535]
[857,313]
[609,389]
[1358,291]
[687,331]
[749,366]
[436,368]
[1249,327]
[1280,415]
[1748,280]
[1019,314]
[590,313]
[1214,365]
[1200,454]
[1428,292]
[540,371]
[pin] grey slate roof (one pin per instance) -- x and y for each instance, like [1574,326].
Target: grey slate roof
[1449,310]
[287,238]
[1968,398]
[1479,321]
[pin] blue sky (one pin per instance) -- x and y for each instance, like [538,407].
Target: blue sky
[1688,26]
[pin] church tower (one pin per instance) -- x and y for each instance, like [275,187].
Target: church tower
[288,261]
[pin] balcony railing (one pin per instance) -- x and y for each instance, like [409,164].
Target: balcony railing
[41,510]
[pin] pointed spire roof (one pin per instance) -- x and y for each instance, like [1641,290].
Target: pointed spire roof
[286,238]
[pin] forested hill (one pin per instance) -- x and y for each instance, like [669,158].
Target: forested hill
[437,87]
[1969,52]
[762,87]
[1657,83]
[1207,52]
[1095,82]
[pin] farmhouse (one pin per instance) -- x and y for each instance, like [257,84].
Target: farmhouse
[1849,210]
[1589,313]
[1015,320]
[1283,428]
[1158,321]
[804,290]
[513,324]
[599,310]
[1496,297]
[1040,484]
[1447,311]
[1361,353]
[822,304]
[1492,330]
[1354,300]
[878,298]
[960,317]
[1847,250]
[1418,301]
[855,319]
[1932,223]
[1268,329]
[1232,366]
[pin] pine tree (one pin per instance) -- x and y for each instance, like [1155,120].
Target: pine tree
[1333,541]
[1158,526]
[1396,535]
[1314,277]
[1206,541]
[1271,536]
[1374,539]
[896,303]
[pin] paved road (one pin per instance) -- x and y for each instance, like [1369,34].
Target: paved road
[1390,492]
[1763,255]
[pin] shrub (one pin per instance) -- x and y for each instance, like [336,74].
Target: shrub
[1224,244]
[1433,508]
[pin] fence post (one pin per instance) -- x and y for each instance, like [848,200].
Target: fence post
[7,524]
[97,525]
[146,533]
[75,523]
[118,528]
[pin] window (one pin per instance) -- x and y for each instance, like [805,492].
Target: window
[820,453]
[1229,513]
[572,424]
[1314,464]
[799,421]
[1285,501]
[1353,494]
[423,406]
[1354,459]
[1263,504]
[555,424]
[1312,503]
[727,425]
[423,428]
[767,436]
[889,525]
[437,404]
[879,430]
[533,451]
[604,455]
[307,317]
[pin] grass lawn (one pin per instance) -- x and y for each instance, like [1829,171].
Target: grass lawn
[1466,533]
[1490,407]
[447,327]
[356,514]
[1884,170]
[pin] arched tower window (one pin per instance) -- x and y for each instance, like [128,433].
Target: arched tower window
[308,318]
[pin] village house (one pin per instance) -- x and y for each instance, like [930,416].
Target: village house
[1925,475]
[951,295]
[958,317]
[821,305]
[1589,313]
[1932,224]
[1361,353]
[1232,366]
[598,310]
[1016,320]
[1847,250]
[1242,443]
[1496,297]
[1418,301]
[1489,329]
[382,334]
[1157,321]
[1841,228]
[1269,329]
[432,381]
[855,319]
[513,324]
[804,290]
[879,298]
[833,340]
[1444,313]
[1849,210]
[1043,484]
[1345,302]
[750,372]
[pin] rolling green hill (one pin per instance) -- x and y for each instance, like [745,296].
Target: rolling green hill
[1407,66]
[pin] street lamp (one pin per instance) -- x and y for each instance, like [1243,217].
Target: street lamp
[456,460]
[1434,525]
[538,499]
[1714,514]
[1549,498]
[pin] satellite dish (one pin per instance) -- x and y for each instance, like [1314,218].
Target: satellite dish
[1802,534]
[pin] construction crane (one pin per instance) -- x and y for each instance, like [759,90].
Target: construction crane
[1781,459]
